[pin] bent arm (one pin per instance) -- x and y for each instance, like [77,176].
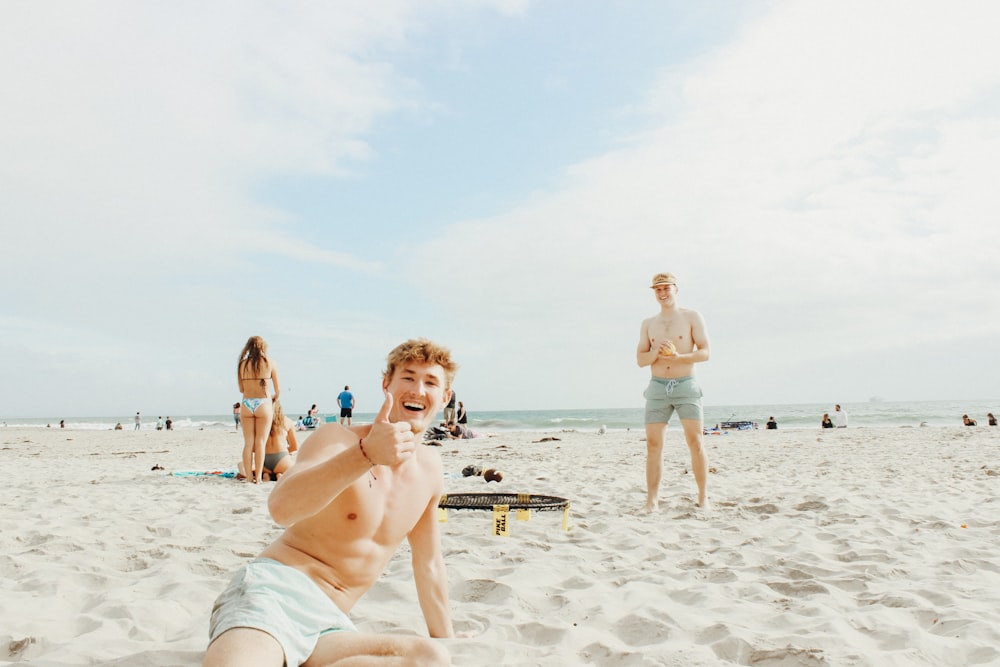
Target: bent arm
[645,355]
[328,462]
[429,572]
[293,442]
[274,381]
[699,334]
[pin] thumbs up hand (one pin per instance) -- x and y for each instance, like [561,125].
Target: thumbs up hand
[388,443]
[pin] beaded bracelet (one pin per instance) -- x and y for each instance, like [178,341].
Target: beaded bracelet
[371,471]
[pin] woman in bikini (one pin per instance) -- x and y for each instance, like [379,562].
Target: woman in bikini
[253,371]
[282,445]
[279,454]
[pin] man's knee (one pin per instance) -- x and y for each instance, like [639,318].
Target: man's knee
[428,653]
[655,435]
[243,646]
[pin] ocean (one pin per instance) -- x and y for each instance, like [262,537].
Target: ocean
[788,416]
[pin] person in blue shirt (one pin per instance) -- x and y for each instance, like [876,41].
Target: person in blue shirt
[345,400]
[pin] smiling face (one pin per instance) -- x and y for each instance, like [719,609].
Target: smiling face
[418,393]
[665,293]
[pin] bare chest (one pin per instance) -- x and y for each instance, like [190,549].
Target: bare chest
[676,329]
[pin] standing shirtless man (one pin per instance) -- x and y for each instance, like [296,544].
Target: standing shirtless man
[351,498]
[671,343]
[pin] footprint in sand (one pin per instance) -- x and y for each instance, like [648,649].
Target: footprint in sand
[636,630]
[483,590]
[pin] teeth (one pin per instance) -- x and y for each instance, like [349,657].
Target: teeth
[413,406]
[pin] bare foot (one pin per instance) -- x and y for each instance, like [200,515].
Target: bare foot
[650,507]
[704,505]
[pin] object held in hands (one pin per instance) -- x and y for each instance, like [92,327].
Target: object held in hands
[667,349]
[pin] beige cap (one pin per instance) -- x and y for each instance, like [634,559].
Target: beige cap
[663,279]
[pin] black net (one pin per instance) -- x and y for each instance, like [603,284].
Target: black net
[515,501]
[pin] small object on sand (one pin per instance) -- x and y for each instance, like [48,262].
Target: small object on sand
[547,438]
[472,471]
[157,467]
[491,475]
[602,430]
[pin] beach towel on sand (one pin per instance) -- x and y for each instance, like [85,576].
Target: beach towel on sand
[204,473]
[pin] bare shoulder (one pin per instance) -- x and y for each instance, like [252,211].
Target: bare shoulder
[430,457]
[327,440]
[431,466]
[691,315]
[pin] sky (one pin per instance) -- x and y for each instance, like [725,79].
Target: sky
[503,177]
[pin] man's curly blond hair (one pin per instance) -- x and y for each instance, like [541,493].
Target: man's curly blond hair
[421,351]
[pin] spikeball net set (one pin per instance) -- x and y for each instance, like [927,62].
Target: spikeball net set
[502,505]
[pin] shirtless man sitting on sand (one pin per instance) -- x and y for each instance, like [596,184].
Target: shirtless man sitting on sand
[351,498]
[671,343]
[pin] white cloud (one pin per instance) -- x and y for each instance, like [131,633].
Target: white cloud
[822,185]
[821,188]
[135,129]
[134,143]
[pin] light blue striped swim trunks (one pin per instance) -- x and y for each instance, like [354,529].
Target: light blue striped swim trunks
[666,395]
[283,602]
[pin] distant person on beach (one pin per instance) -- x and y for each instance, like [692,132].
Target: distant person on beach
[827,422]
[118,426]
[671,343]
[463,418]
[839,417]
[236,414]
[449,409]
[351,498]
[62,423]
[991,420]
[458,431]
[159,423]
[170,424]
[138,421]
[279,452]
[771,424]
[968,421]
[311,420]
[345,400]
[253,370]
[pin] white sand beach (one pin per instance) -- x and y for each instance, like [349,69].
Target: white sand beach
[845,547]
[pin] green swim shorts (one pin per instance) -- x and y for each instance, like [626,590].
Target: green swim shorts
[664,396]
[283,602]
